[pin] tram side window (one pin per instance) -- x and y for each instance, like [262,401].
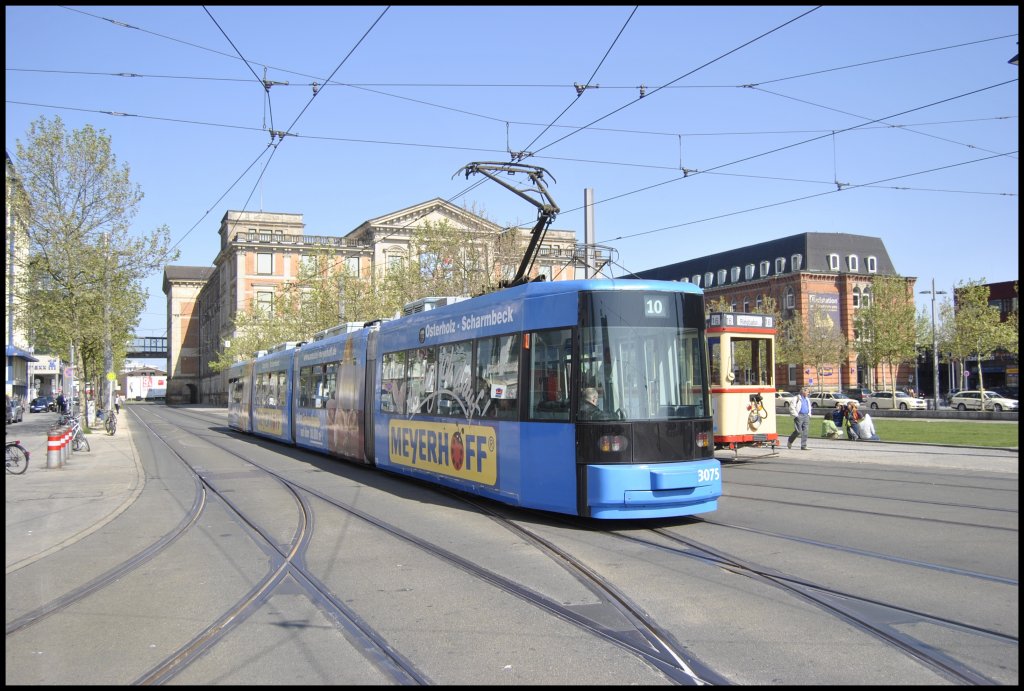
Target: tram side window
[392,385]
[550,363]
[497,377]
[421,382]
[309,384]
[455,371]
[715,348]
[330,383]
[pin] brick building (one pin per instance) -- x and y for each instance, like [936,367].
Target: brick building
[804,272]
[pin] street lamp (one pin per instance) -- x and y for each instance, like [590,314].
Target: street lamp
[935,347]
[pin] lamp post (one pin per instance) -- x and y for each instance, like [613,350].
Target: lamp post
[935,347]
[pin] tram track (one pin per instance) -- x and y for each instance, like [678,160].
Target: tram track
[635,633]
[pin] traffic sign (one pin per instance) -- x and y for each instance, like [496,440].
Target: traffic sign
[111,376]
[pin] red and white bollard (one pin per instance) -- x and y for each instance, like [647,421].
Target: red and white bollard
[54,439]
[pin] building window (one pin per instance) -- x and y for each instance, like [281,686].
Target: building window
[780,265]
[833,262]
[393,259]
[865,297]
[749,272]
[758,303]
[722,274]
[765,266]
[796,261]
[709,279]
[872,265]
[735,274]
[853,263]
[264,263]
[732,306]
[352,265]
[746,304]
[791,370]
[790,299]
[856,298]
[265,301]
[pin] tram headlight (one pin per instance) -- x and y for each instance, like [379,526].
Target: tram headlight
[612,443]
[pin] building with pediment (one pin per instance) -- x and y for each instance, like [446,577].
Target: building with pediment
[261,251]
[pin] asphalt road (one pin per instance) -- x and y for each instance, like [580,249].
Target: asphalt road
[180,552]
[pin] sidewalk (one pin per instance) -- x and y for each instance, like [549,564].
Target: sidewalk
[47,509]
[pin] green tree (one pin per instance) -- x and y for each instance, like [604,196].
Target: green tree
[441,261]
[822,342]
[977,330]
[887,326]
[84,265]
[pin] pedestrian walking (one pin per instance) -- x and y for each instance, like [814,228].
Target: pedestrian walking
[801,412]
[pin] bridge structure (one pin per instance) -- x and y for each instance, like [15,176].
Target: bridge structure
[147,347]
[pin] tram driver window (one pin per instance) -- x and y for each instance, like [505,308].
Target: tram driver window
[550,363]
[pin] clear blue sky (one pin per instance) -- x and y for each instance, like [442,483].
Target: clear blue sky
[912,111]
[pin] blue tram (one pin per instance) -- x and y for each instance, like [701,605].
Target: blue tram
[579,397]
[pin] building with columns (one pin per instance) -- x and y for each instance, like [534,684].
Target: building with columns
[261,251]
[805,272]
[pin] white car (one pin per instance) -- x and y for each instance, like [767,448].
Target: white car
[828,399]
[971,400]
[784,398]
[903,401]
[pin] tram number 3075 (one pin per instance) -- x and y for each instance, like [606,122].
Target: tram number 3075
[708,474]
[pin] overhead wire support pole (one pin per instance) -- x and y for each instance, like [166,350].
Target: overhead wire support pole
[546,207]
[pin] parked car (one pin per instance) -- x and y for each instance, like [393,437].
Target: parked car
[885,399]
[15,411]
[784,398]
[949,395]
[858,394]
[41,404]
[971,400]
[828,399]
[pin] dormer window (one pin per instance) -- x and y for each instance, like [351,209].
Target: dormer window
[796,261]
[735,273]
[853,263]
[780,265]
[749,272]
[765,266]
[872,265]
[833,262]
[709,279]
[695,279]
[722,274]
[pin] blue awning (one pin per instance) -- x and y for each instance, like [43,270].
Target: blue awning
[15,351]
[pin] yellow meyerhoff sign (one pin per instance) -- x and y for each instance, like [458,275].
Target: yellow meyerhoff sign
[468,452]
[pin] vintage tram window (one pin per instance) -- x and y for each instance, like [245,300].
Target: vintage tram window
[455,372]
[550,375]
[497,377]
[392,385]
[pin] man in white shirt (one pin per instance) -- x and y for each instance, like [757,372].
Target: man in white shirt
[801,412]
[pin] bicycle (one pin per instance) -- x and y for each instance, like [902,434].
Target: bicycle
[16,460]
[78,440]
[110,422]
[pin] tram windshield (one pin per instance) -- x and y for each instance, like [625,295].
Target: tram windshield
[644,353]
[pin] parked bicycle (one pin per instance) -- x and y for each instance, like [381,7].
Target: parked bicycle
[16,460]
[110,422]
[78,440]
